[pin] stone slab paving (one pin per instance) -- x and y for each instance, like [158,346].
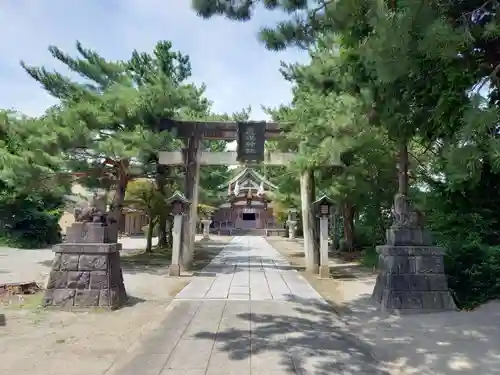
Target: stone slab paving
[250,313]
[249,268]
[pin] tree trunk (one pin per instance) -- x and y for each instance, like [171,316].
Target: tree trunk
[335,240]
[381,224]
[169,225]
[161,176]
[106,196]
[348,216]
[121,186]
[149,239]
[315,221]
[403,181]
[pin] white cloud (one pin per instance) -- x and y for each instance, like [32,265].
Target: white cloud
[225,55]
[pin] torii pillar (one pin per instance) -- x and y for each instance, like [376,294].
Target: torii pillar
[192,155]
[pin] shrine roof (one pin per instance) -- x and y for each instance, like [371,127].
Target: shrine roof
[250,173]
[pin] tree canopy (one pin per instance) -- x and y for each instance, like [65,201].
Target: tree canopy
[407,82]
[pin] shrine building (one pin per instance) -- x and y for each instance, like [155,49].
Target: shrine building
[249,204]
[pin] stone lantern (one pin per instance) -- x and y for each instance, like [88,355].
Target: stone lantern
[323,208]
[180,206]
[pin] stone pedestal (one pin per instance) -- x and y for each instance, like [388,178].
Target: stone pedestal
[411,276]
[86,270]
[324,268]
[324,272]
[292,228]
[206,228]
[174,268]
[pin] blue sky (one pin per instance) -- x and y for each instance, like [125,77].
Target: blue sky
[226,55]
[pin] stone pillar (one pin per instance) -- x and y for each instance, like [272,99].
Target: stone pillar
[292,229]
[206,228]
[411,276]
[174,269]
[308,220]
[324,268]
[86,270]
[192,181]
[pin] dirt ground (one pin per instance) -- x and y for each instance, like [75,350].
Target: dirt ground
[348,281]
[36,341]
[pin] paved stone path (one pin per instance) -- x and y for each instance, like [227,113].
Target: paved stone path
[249,268]
[250,313]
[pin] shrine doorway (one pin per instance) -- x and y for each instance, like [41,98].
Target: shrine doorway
[248,217]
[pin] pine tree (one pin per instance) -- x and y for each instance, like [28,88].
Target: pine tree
[108,119]
[29,155]
[146,68]
[391,49]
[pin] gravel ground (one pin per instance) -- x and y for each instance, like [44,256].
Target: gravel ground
[451,343]
[40,342]
[19,265]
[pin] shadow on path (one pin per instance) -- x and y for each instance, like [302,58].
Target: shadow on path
[300,336]
[459,342]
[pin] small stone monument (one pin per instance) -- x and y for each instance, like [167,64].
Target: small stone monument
[411,276]
[86,270]
[180,205]
[206,228]
[323,208]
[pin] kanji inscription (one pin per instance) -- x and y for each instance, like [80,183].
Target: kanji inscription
[251,137]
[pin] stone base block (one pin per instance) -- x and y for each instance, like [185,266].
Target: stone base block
[324,272]
[408,236]
[174,270]
[86,275]
[411,279]
[314,268]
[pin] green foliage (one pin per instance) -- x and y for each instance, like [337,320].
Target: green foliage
[212,177]
[307,19]
[205,211]
[30,221]
[29,154]
[142,195]
[465,222]
[473,273]
[369,257]
[32,182]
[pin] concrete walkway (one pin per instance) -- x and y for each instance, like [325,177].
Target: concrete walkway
[248,313]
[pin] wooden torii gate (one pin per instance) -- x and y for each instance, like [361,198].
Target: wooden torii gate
[250,136]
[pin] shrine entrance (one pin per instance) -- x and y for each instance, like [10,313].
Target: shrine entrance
[248,217]
[247,205]
[249,213]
